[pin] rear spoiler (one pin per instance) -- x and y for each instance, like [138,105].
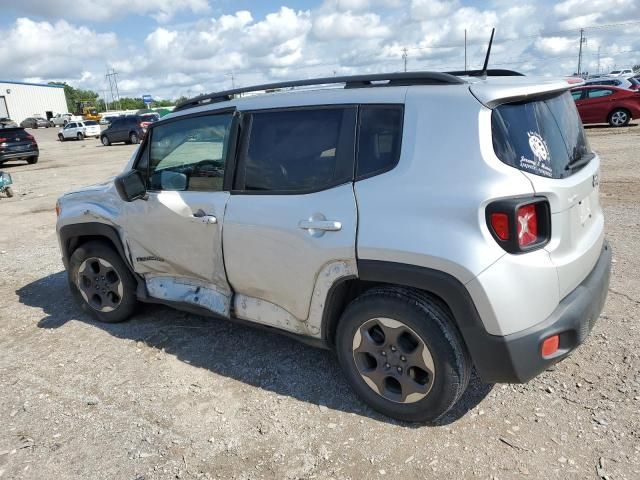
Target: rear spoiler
[497,91]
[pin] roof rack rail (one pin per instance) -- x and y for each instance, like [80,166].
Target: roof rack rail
[496,72]
[355,81]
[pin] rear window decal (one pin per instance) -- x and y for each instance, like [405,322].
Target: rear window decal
[541,162]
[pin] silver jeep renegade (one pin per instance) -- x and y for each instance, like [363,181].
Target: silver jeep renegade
[419,224]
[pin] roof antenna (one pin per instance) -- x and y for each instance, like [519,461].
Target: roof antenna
[483,73]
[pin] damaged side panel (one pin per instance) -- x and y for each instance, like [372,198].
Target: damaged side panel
[183,290]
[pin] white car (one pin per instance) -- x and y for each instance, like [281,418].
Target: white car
[79,130]
[61,119]
[624,73]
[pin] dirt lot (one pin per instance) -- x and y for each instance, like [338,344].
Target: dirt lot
[173,395]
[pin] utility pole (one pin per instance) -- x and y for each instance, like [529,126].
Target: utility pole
[404,57]
[582,40]
[598,59]
[465,49]
[112,78]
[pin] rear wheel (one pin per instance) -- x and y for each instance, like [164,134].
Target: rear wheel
[105,141]
[32,160]
[9,192]
[80,136]
[619,117]
[133,138]
[401,353]
[102,283]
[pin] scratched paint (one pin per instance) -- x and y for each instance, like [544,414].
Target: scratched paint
[178,289]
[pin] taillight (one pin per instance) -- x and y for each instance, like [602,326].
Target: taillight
[527,223]
[519,225]
[28,136]
[500,225]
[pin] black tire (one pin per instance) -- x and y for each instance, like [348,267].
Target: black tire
[32,160]
[121,301]
[429,319]
[80,136]
[61,137]
[133,138]
[105,141]
[9,192]
[620,117]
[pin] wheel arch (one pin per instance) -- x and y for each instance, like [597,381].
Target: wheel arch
[444,286]
[73,236]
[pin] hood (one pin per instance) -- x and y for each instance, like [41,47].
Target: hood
[96,188]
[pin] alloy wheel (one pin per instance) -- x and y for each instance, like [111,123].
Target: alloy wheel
[619,118]
[393,360]
[100,285]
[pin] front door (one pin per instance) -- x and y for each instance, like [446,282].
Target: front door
[596,106]
[290,225]
[175,236]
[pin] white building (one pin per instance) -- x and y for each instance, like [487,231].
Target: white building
[19,100]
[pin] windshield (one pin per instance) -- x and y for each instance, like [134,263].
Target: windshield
[543,137]
[615,72]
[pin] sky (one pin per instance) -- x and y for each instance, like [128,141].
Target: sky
[173,48]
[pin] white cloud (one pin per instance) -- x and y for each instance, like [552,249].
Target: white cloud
[43,49]
[348,25]
[103,10]
[202,52]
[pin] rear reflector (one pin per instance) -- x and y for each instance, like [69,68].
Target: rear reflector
[500,225]
[527,225]
[550,346]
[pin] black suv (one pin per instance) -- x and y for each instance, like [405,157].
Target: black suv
[16,144]
[127,129]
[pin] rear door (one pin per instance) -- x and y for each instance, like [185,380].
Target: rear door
[291,219]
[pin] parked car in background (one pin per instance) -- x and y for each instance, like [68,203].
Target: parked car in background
[625,73]
[127,129]
[61,119]
[628,83]
[148,119]
[35,122]
[17,144]
[6,122]
[613,105]
[79,130]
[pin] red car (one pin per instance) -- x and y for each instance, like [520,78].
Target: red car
[602,104]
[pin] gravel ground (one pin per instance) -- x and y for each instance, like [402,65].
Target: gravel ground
[174,395]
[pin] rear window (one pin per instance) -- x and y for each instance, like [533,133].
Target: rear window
[90,122]
[543,137]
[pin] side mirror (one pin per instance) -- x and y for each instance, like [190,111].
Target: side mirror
[130,186]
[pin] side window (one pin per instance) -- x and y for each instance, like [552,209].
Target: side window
[379,139]
[298,150]
[599,92]
[71,125]
[189,154]
[576,94]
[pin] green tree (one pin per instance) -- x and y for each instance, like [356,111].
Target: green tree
[77,98]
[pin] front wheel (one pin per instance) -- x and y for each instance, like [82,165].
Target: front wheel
[9,192]
[402,354]
[619,118]
[133,138]
[102,283]
[105,141]
[61,137]
[32,160]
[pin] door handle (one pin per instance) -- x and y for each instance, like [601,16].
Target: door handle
[325,225]
[202,217]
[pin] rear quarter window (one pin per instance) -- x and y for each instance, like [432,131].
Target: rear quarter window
[379,139]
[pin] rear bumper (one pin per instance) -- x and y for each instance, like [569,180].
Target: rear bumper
[21,154]
[517,357]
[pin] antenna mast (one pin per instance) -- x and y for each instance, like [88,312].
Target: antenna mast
[486,59]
